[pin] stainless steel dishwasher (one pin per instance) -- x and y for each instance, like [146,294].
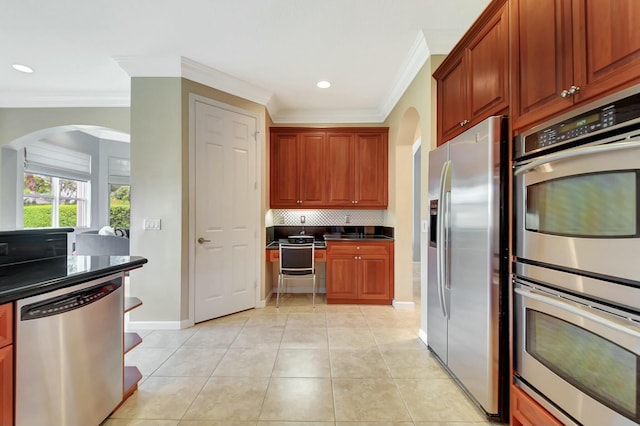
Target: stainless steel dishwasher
[69,357]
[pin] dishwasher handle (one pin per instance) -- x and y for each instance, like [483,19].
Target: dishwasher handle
[67,302]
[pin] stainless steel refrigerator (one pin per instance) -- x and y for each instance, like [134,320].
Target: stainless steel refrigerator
[467,324]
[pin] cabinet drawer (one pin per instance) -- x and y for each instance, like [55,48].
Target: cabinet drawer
[338,248]
[527,412]
[6,324]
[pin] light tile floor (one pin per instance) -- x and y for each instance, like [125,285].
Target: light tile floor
[342,365]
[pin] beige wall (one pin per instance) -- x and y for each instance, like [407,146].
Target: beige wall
[156,193]
[160,173]
[412,116]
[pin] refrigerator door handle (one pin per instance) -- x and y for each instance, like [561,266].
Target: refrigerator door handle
[442,234]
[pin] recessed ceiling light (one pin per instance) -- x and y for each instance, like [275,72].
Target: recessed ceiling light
[323,84]
[22,68]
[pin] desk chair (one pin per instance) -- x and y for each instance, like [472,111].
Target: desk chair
[296,260]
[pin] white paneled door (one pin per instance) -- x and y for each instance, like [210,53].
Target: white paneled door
[226,213]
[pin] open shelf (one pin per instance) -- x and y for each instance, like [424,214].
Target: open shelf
[130,303]
[131,340]
[131,378]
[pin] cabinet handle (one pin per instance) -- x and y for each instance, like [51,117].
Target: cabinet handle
[572,91]
[356,202]
[464,123]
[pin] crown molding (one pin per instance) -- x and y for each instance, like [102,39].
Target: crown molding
[211,77]
[327,116]
[416,58]
[64,99]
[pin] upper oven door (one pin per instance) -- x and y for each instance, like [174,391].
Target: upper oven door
[578,209]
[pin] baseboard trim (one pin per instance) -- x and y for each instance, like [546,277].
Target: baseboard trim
[403,305]
[423,336]
[157,325]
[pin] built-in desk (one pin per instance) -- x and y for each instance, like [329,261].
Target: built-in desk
[319,255]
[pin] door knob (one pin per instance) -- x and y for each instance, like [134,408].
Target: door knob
[202,240]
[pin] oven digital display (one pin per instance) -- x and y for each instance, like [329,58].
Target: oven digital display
[591,363]
[583,121]
[598,205]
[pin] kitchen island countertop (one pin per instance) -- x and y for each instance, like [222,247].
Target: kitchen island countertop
[25,279]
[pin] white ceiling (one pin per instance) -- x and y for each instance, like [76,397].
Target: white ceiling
[269,51]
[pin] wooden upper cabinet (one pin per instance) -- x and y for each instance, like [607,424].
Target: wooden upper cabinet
[371,169]
[607,45]
[566,52]
[312,169]
[298,169]
[341,177]
[473,81]
[358,169]
[329,168]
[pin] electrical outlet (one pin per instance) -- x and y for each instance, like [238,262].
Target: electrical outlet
[347,219]
[303,219]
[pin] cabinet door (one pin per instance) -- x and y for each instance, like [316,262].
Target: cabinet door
[374,278]
[341,278]
[313,170]
[453,108]
[341,175]
[6,385]
[542,55]
[488,68]
[606,45]
[284,162]
[6,324]
[527,412]
[371,169]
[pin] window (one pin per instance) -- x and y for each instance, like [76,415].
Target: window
[119,190]
[119,206]
[57,189]
[51,201]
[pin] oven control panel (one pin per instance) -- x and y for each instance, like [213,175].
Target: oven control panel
[606,117]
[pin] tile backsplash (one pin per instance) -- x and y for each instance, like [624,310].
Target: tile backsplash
[327,217]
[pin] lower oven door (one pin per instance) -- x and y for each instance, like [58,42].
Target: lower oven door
[583,358]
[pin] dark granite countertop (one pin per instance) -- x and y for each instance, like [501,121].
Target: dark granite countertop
[21,280]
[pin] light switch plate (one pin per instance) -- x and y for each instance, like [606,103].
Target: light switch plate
[152,224]
[425,226]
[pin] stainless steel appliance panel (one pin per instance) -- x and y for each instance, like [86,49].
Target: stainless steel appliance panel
[582,356]
[466,282]
[437,317]
[475,282]
[69,354]
[590,207]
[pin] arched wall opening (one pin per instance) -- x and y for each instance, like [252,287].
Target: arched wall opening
[407,284]
[100,146]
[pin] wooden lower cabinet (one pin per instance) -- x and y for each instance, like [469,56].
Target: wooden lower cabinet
[6,364]
[525,411]
[360,272]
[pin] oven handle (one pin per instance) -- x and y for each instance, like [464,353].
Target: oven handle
[581,312]
[576,152]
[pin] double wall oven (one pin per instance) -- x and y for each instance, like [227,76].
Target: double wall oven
[577,263]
